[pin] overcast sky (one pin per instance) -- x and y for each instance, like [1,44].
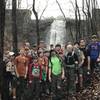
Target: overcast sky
[53,9]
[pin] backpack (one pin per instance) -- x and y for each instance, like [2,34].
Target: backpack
[66,55]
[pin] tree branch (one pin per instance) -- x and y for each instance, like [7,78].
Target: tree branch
[61,9]
[44,10]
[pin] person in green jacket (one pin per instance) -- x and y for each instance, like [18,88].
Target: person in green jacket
[56,71]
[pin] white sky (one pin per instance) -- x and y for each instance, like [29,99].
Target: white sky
[53,9]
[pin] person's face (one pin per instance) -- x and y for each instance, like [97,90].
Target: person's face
[40,50]
[27,44]
[76,46]
[26,52]
[61,55]
[94,39]
[12,57]
[57,48]
[47,54]
[70,49]
[34,48]
[51,46]
[42,44]
[35,60]
[53,53]
[82,43]
[41,54]
[22,52]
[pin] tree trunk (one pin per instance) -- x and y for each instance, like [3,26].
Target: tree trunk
[2,26]
[37,23]
[14,27]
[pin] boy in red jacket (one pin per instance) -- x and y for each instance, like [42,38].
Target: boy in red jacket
[35,78]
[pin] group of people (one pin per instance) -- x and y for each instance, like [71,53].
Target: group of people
[37,71]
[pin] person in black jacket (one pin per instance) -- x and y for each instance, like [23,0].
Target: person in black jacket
[70,60]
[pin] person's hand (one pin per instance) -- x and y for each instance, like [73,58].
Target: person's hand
[17,75]
[88,72]
[30,81]
[50,79]
[40,81]
[62,76]
[98,60]
[88,68]
[76,62]
[25,76]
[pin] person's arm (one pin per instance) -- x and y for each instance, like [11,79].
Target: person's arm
[46,65]
[82,58]
[27,62]
[16,63]
[88,67]
[50,71]
[50,74]
[76,59]
[88,55]
[63,73]
[30,73]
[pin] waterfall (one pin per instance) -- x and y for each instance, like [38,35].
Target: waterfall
[57,33]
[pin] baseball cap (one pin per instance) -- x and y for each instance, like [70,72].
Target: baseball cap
[11,53]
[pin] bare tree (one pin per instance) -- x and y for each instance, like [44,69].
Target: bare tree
[44,9]
[38,19]
[61,9]
[78,34]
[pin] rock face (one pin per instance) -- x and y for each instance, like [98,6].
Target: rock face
[25,26]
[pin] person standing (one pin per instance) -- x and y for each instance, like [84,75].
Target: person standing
[93,54]
[21,63]
[81,58]
[70,60]
[56,72]
[10,68]
[35,76]
[83,48]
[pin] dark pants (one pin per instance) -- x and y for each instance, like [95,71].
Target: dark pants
[86,77]
[93,65]
[56,81]
[36,87]
[71,78]
[20,88]
[8,86]
[3,82]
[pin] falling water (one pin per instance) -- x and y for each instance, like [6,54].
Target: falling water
[57,33]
